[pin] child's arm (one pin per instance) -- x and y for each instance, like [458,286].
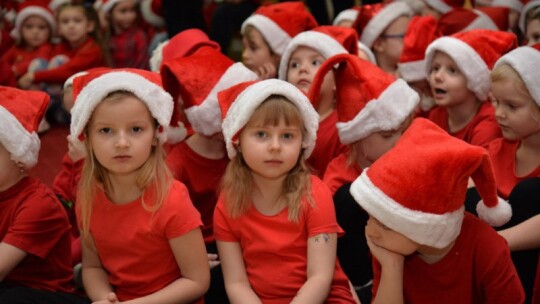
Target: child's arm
[95,279]
[522,236]
[10,257]
[234,273]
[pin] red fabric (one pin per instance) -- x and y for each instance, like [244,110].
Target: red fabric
[482,129]
[275,249]
[32,219]
[327,145]
[6,41]
[201,177]
[129,49]
[478,269]
[133,243]
[503,157]
[86,56]
[19,58]
[339,172]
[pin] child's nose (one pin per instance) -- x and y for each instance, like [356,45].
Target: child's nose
[122,140]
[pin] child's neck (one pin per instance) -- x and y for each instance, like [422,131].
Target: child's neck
[267,195]
[12,179]
[386,65]
[124,189]
[528,155]
[432,255]
[462,114]
[206,147]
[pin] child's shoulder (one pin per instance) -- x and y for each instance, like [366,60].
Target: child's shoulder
[479,234]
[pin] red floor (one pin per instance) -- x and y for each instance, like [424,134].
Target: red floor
[53,148]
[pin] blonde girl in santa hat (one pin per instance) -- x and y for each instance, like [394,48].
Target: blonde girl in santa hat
[140,232]
[35,255]
[274,222]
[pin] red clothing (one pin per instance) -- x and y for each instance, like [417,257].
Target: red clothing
[19,58]
[327,145]
[503,157]
[274,249]
[133,243]
[129,49]
[482,129]
[32,219]
[339,172]
[478,269]
[202,177]
[88,55]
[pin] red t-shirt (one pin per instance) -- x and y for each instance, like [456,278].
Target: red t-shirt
[66,181]
[503,157]
[327,145]
[19,58]
[274,249]
[339,172]
[32,219]
[202,177]
[133,243]
[482,129]
[478,269]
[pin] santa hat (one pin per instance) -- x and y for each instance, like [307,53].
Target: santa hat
[279,23]
[474,52]
[152,12]
[422,197]
[90,89]
[197,79]
[367,51]
[326,40]
[69,81]
[180,45]
[20,114]
[499,16]
[368,99]
[444,6]
[32,8]
[238,103]
[525,61]
[106,5]
[461,20]
[374,19]
[55,4]
[421,32]
[347,15]
[516,5]
[532,5]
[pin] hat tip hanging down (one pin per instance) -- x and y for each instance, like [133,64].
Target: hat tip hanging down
[497,215]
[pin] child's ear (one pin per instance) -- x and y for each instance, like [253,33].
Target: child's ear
[378,45]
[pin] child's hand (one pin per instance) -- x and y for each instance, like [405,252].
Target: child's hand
[111,299]
[26,80]
[383,255]
[74,153]
[213,260]
[266,71]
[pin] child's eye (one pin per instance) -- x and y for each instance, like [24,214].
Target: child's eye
[105,130]
[387,134]
[137,129]
[293,65]
[453,70]
[317,62]
[288,136]
[260,134]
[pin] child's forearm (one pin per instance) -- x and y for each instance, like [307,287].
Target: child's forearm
[240,293]
[314,290]
[183,290]
[523,236]
[96,283]
[391,285]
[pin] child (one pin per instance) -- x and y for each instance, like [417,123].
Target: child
[34,228]
[529,22]
[418,232]
[128,43]
[267,33]
[200,161]
[299,64]
[119,116]
[458,67]
[274,223]
[436,8]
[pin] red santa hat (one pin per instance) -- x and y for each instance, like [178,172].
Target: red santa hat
[516,5]
[198,79]
[531,5]
[326,40]
[180,45]
[421,32]
[474,52]
[374,19]
[347,15]
[444,6]
[240,101]
[418,187]
[525,61]
[32,8]
[279,23]
[152,12]
[106,5]
[20,114]
[368,99]
[461,20]
[90,89]
[499,15]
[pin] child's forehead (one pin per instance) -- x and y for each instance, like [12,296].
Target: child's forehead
[303,51]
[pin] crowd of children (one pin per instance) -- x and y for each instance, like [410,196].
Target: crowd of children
[392,157]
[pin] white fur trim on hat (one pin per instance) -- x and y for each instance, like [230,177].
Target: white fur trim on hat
[483,21]
[435,230]
[523,16]
[23,146]
[107,6]
[516,5]
[32,11]
[158,101]
[274,35]
[346,15]
[205,118]
[157,57]
[439,6]
[325,45]
[251,98]
[176,134]
[413,70]
[69,81]
[382,20]
[362,47]
[526,61]
[149,15]
[55,4]
[386,113]
[495,216]
[468,61]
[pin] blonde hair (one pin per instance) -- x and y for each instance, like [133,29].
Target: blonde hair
[154,175]
[237,183]
[505,72]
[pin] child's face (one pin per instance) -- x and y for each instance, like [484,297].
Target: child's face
[389,45]
[121,134]
[124,14]
[516,112]
[533,32]
[303,66]
[10,171]
[35,31]
[256,51]
[74,26]
[389,239]
[270,151]
[67,99]
[448,83]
